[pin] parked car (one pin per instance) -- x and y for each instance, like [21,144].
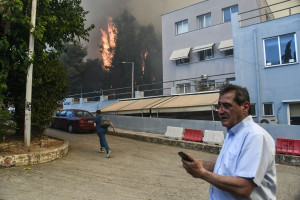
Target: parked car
[73,120]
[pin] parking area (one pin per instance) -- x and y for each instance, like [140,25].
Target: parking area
[136,170]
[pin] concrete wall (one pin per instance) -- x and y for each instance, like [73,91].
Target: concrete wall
[266,84]
[159,126]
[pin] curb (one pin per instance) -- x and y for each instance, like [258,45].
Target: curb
[161,139]
[35,157]
[199,146]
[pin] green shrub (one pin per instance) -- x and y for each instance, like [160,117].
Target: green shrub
[6,123]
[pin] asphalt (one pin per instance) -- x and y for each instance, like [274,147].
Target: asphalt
[136,170]
[50,155]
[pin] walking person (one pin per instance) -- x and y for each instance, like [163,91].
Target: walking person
[245,167]
[102,128]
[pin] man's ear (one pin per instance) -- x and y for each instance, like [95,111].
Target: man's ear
[246,107]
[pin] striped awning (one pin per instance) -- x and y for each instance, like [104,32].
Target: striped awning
[203,47]
[226,45]
[180,54]
[176,103]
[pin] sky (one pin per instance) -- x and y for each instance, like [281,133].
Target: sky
[145,12]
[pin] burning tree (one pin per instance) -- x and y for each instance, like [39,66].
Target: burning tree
[127,40]
[108,44]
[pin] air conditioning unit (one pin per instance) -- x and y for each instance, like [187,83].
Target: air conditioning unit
[268,120]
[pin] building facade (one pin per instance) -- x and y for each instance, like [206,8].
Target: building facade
[267,63]
[197,45]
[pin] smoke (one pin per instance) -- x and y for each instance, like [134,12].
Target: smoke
[145,11]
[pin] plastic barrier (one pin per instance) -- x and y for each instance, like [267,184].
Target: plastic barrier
[288,146]
[213,137]
[174,132]
[194,135]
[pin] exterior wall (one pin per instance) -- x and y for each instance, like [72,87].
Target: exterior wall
[219,31]
[272,84]
[159,126]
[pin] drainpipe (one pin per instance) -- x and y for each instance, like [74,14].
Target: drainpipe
[212,112]
[258,89]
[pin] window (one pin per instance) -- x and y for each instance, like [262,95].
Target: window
[184,88]
[253,110]
[69,113]
[182,61]
[280,50]
[204,20]
[182,27]
[228,52]
[227,13]
[268,109]
[62,113]
[206,54]
[230,79]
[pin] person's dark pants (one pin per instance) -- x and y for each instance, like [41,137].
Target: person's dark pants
[101,134]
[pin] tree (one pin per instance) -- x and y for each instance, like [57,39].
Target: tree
[58,22]
[151,57]
[126,50]
[72,60]
[133,43]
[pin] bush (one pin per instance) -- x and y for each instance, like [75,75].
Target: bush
[6,123]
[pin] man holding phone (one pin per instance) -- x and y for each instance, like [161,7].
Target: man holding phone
[245,168]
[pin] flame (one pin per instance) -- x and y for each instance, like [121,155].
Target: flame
[108,44]
[143,57]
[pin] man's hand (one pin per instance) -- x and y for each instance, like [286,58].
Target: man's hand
[203,169]
[194,168]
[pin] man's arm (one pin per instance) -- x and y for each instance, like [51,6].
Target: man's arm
[237,185]
[209,165]
[112,125]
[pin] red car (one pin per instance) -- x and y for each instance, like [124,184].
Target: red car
[74,120]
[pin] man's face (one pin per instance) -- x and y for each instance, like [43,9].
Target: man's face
[230,112]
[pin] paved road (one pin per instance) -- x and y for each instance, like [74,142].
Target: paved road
[136,170]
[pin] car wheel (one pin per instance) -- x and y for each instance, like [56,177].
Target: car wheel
[70,128]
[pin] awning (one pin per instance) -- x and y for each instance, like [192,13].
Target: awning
[181,53]
[226,45]
[141,106]
[118,105]
[189,103]
[203,47]
[170,104]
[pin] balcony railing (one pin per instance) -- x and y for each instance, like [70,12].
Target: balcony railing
[269,12]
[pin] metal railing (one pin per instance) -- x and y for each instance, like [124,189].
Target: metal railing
[153,89]
[268,15]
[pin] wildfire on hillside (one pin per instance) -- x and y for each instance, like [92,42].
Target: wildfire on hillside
[143,58]
[108,44]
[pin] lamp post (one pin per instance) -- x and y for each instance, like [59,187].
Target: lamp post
[132,78]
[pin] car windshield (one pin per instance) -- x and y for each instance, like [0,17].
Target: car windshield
[82,113]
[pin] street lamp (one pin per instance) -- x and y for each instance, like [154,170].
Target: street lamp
[132,77]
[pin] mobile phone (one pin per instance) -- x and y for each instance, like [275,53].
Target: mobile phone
[184,156]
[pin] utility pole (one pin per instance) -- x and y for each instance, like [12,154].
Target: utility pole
[27,127]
